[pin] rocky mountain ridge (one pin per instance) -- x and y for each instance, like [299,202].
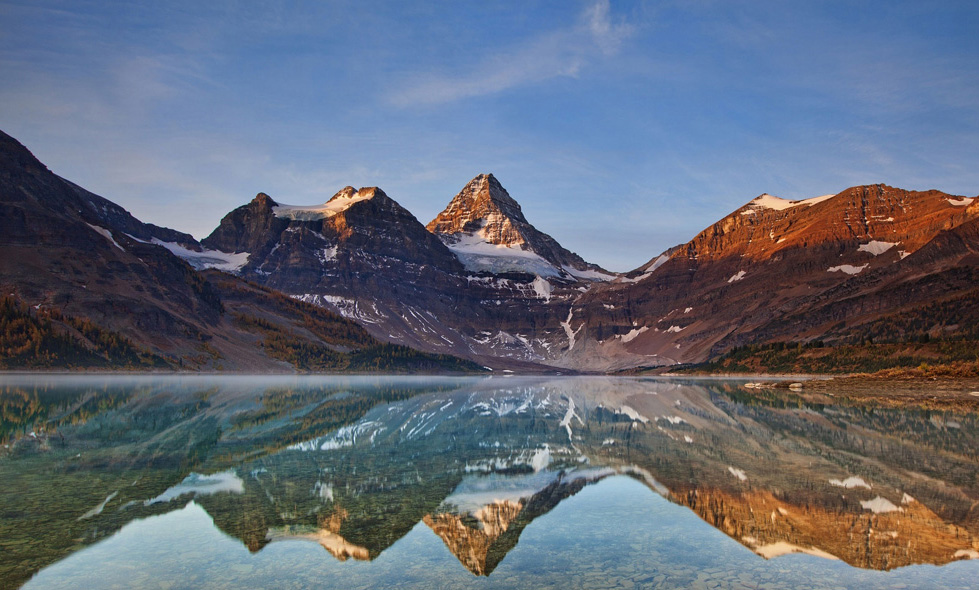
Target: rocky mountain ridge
[87,284]
[498,300]
[481,282]
[777,270]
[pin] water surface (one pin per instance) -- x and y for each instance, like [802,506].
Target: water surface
[350,482]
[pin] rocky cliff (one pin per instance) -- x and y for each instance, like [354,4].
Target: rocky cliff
[785,270]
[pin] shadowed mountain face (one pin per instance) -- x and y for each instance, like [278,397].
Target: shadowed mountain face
[63,247]
[356,464]
[85,284]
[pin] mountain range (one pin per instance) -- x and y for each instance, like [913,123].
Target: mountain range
[284,287]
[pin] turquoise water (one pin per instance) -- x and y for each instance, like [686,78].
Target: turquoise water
[496,483]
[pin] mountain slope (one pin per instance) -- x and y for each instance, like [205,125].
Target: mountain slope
[87,284]
[783,270]
[64,248]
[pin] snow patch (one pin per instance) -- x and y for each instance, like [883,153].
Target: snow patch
[880,505]
[785,548]
[767,201]
[632,334]
[195,483]
[98,509]
[850,483]
[963,202]
[542,288]
[738,473]
[327,254]
[660,261]
[324,491]
[847,268]
[674,329]
[106,234]
[876,248]
[588,275]
[206,258]
[343,437]
[566,421]
[966,553]
[737,277]
[541,459]
[477,254]
[633,414]
[332,207]
[572,334]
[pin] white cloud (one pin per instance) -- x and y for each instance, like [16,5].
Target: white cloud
[606,34]
[561,53]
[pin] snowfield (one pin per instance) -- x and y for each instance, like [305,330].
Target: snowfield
[330,208]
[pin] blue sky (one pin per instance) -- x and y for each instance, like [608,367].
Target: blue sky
[622,128]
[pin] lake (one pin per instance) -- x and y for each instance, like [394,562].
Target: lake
[478,482]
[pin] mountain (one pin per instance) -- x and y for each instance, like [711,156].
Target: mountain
[64,248]
[775,270]
[866,262]
[486,285]
[487,230]
[360,241]
[85,283]
[872,263]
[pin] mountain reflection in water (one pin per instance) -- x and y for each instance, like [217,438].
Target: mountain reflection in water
[359,465]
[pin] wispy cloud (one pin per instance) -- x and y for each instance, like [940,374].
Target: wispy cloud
[560,53]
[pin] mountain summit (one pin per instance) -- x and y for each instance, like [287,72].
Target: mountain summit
[486,229]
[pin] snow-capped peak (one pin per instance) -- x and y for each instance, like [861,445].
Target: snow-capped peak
[339,203]
[486,229]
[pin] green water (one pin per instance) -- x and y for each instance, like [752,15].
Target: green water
[316,482]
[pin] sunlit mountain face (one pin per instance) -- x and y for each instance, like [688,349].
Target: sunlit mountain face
[362,468]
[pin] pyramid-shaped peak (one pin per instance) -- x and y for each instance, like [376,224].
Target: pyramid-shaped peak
[482,203]
[484,226]
[485,187]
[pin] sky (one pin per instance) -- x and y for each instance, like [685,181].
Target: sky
[622,128]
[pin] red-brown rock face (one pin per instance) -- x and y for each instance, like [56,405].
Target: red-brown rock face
[471,545]
[783,270]
[483,216]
